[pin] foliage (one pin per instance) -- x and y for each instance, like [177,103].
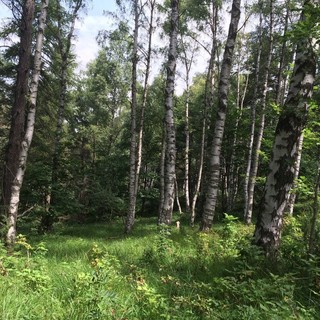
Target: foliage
[158,273]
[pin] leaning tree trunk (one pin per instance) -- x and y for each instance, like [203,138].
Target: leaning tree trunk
[18,111]
[133,178]
[288,131]
[26,142]
[212,191]
[165,215]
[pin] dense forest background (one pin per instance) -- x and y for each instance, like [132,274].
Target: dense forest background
[240,142]
[101,144]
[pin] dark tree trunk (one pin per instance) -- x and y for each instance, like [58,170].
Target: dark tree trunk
[19,107]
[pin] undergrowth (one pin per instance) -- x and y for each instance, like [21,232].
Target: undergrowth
[95,272]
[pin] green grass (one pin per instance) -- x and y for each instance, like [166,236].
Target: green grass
[96,272]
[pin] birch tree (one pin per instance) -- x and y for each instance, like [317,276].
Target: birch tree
[215,152]
[133,169]
[262,103]
[291,123]
[30,122]
[165,214]
[208,103]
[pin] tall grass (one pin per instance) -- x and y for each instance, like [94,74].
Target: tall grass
[96,272]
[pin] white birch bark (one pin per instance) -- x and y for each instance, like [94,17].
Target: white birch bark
[293,194]
[247,218]
[289,129]
[145,94]
[209,94]
[259,136]
[187,66]
[212,191]
[132,176]
[25,145]
[170,156]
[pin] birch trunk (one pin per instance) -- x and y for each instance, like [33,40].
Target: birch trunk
[212,191]
[187,135]
[280,87]
[259,136]
[187,66]
[247,218]
[162,173]
[233,177]
[133,155]
[293,194]
[18,110]
[132,207]
[209,94]
[30,122]
[170,157]
[289,129]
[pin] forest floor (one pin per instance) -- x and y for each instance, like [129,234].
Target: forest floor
[94,271]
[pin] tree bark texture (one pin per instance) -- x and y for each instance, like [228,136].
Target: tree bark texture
[259,135]
[288,131]
[18,111]
[133,148]
[170,156]
[214,165]
[247,218]
[30,122]
[292,196]
[209,94]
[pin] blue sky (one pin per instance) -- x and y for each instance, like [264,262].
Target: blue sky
[87,28]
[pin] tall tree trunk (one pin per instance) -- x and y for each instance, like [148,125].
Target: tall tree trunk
[289,129]
[170,160]
[209,94]
[247,218]
[27,139]
[293,194]
[131,211]
[187,137]
[187,61]
[233,181]
[280,81]
[133,156]
[162,172]
[212,191]
[259,136]
[18,111]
